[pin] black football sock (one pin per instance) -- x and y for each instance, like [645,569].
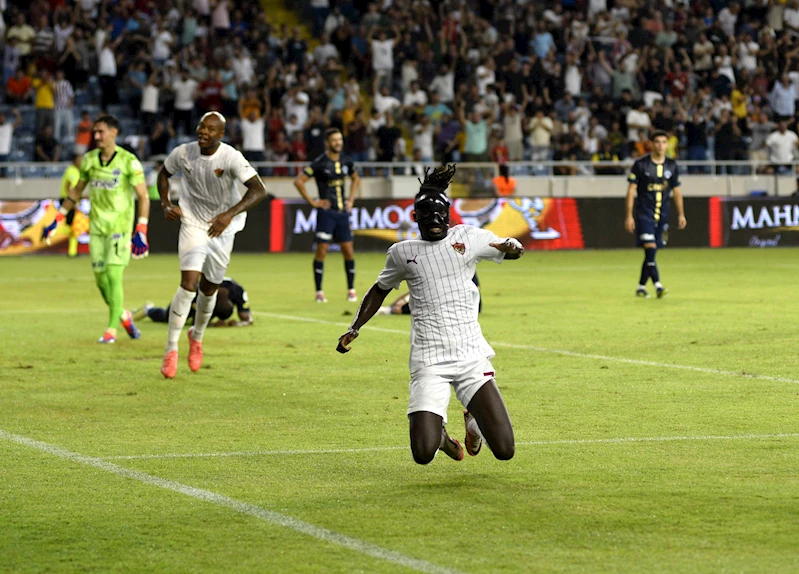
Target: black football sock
[644,273]
[650,263]
[349,267]
[318,273]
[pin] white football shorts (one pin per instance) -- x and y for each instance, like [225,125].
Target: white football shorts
[210,255]
[430,385]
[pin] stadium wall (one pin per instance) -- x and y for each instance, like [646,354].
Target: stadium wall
[539,223]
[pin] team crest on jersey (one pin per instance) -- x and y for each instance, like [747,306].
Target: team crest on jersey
[116,173]
[345,170]
[667,174]
[219,172]
[459,247]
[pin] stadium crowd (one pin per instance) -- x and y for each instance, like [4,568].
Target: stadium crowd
[421,80]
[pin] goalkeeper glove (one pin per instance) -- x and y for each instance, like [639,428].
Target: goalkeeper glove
[140,247]
[48,231]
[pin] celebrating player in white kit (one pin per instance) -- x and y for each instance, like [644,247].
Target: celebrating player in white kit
[447,345]
[211,211]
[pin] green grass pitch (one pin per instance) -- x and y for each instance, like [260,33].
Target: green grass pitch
[653,435]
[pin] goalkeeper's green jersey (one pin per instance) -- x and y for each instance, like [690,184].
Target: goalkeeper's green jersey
[111,192]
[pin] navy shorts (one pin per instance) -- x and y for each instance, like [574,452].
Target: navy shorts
[650,231]
[332,226]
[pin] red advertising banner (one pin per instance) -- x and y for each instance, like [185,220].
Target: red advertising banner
[538,223]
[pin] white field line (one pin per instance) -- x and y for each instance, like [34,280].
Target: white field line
[269,516]
[557,351]
[85,275]
[389,448]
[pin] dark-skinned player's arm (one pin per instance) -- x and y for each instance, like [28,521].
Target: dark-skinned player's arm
[390,278]
[68,203]
[299,183]
[171,212]
[370,305]
[245,320]
[256,192]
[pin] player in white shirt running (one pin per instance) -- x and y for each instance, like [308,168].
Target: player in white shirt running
[211,212]
[447,345]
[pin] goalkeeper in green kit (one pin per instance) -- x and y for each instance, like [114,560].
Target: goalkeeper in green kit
[111,174]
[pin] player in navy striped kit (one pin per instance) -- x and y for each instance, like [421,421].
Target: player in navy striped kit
[653,178]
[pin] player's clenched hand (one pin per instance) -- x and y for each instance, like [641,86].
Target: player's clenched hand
[629,224]
[140,248]
[510,245]
[322,204]
[681,222]
[346,340]
[219,224]
[172,212]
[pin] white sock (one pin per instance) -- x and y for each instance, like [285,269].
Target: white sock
[642,286]
[658,285]
[384,311]
[178,313]
[205,308]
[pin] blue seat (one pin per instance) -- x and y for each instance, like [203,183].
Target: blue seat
[82,98]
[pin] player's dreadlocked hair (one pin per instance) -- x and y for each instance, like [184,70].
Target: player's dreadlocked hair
[436,180]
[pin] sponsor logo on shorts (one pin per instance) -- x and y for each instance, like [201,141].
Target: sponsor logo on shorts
[459,247]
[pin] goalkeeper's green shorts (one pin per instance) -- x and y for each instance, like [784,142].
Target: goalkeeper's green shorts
[109,250]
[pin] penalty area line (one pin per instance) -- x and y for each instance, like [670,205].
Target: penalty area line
[621,440]
[263,514]
[562,352]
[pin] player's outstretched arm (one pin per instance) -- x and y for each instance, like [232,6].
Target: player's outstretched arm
[369,306]
[256,192]
[510,247]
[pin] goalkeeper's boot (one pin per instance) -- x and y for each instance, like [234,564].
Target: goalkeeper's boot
[169,368]
[127,322]
[195,353]
[473,441]
[108,338]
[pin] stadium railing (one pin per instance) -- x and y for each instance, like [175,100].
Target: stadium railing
[539,168]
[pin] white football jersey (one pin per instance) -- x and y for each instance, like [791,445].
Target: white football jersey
[444,301]
[210,183]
